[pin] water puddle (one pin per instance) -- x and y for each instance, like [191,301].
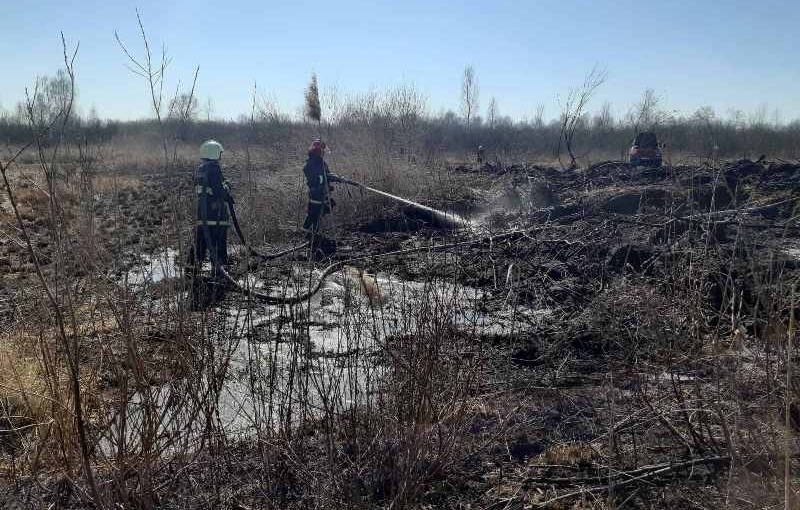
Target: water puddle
[154,268]
[324,355]
[345,327]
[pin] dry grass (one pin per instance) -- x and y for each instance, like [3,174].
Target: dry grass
[35,404]
[33,203]
[569,455]
[22,383]
[358,282]
[109,183]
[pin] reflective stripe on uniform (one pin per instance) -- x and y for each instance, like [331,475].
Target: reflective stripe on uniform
[312,201]
[213,223]
[199,190]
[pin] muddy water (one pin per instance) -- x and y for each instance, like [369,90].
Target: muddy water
[347,325]
[325,352]
[154,268]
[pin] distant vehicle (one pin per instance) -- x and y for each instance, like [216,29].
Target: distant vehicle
[645,150]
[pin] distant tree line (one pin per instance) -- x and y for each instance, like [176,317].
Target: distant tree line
[399,122]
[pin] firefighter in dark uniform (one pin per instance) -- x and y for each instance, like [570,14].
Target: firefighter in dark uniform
[319,179]
[213,198]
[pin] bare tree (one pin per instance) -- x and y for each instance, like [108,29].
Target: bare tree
[360,109]
[604,118]
[759,117]
[51,98]
[183,111]
[152,70]
[646,115]
[705,121]
[184,107]
[573,111]
[209,109]
[491,113]
[538,118]
[405,107]
[469,95]
[332,100]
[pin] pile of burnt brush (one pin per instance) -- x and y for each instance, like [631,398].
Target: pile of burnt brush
[660,377]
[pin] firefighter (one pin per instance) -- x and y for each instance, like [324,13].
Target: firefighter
[480,154]
[319,179]
[213,199]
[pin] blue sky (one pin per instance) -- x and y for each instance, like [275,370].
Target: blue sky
[734,54]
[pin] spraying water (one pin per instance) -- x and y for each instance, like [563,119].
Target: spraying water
[444,219]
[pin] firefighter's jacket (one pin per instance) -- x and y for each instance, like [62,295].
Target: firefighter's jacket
[318,179]
[213,195]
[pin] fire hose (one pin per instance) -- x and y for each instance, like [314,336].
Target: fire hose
[250,249]
[450,220]
[269,299]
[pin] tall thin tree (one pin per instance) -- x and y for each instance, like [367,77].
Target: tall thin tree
[491,113]
[469,95]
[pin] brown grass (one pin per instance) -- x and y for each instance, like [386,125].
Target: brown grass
[569,454]
[35,401]
[109,183]
[22,385]
[32,202]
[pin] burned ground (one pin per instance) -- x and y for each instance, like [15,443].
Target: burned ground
[636,356]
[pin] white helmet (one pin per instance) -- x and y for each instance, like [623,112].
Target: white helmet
[211,149]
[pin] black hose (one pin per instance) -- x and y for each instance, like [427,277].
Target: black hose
[281,300]
[250,249]
[277,300]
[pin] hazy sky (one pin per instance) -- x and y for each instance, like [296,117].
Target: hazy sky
[734,54]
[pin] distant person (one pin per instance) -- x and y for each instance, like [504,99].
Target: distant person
[319,179]
[481,153]
[213,199]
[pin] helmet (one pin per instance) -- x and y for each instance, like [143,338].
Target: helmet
[211,149]
[317,146]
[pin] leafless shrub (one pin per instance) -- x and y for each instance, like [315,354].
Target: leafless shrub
[646,115]
[538,118]
[491,113]
[573,110]
[52,112]
[406,107]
